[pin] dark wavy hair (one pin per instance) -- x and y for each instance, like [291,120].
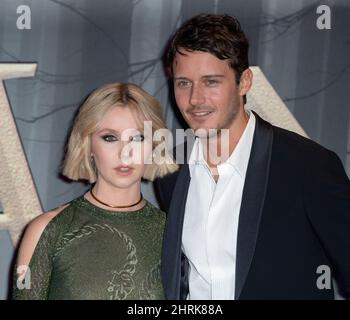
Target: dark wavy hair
[219,35]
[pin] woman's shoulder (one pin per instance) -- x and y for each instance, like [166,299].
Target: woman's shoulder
[57,215]
[156,210]
[38,224]
[34,231]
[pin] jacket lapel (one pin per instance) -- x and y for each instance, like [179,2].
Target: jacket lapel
[253,197]
[171,252]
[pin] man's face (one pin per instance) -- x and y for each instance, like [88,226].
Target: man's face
[206,91]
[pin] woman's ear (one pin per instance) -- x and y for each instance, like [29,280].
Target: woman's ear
[245,82]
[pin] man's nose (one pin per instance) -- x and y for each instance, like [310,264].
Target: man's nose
[197,96]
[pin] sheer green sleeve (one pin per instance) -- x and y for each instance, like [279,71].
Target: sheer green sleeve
[35,285]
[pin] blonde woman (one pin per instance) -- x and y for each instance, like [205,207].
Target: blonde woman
[105,244]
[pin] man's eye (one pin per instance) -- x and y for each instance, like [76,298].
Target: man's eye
[137,138]
[109,138]
[182,83]
[212,82]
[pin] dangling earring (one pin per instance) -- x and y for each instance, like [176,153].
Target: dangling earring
[92,162]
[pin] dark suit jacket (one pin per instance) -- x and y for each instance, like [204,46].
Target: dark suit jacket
[294,217]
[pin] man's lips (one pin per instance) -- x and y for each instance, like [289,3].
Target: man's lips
[200,114]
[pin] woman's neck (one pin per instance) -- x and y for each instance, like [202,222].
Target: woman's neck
[107,197]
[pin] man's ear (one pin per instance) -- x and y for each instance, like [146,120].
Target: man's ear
[245,81]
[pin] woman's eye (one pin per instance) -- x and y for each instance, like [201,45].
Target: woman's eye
[109,138]
[137,138]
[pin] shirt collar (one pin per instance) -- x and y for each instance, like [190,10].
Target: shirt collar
[239,158]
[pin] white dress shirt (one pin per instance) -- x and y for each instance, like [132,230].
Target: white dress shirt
[211,219]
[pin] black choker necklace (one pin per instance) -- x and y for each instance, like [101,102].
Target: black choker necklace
[116,207]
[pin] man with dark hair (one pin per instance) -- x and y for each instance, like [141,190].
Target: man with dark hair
[262,220]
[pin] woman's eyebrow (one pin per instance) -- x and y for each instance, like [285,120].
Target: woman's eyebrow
[108,130]
[137,130]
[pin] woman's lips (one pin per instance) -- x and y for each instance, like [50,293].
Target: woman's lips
[124,170]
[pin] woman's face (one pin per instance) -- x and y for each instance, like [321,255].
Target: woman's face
[119,148]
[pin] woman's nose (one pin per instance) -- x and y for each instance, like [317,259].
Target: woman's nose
[125,152]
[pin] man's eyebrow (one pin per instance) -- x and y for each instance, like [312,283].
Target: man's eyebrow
[205,77]
[213,76]
[181,78]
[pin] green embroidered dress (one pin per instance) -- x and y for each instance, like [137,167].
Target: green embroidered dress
[86,252]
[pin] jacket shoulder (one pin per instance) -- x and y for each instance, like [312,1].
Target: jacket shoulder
[293,143]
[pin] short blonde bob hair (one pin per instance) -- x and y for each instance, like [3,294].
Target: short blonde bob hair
[77,164]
